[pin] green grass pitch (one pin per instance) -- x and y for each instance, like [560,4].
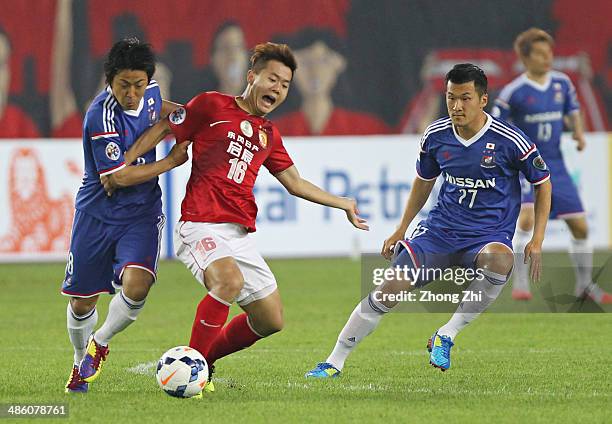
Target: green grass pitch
[507,367]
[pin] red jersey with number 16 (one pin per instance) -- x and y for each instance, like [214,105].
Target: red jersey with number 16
[229,146]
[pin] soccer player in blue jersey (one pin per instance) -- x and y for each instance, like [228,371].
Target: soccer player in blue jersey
[115,240]
[537,102]
[479,159]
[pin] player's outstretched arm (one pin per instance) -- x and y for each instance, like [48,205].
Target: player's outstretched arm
[421,189]
[148,140]
[132,175]
[533,249]
[290,178]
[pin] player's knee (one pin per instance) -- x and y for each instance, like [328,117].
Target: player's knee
[82,306]
[136,283]
[223,277]
[136,292]
[226,284]
[579,229]
[496,259]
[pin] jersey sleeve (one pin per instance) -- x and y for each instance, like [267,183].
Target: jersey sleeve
[186,120]
[279,159]
[427,167]
[571,99]
[527,158]
[107,145]
[502,107]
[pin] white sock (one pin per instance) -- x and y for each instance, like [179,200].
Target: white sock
[467,311]
[122,311]
[79,330]
[581,253]
[363,320]
[521,270]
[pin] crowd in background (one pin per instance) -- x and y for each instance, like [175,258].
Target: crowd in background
[358,73]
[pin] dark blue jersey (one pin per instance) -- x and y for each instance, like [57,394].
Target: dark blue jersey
[538,109]
[108,132]
[481,192]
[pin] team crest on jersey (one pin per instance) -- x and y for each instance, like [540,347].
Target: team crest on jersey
[152,117]
[246,128]
[539,163]
[488,160]
[558,97]
[263,138]
[112,151]
[178,116]
[488,156]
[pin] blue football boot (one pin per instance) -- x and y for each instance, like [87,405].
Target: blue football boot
[439,348]
[323,370]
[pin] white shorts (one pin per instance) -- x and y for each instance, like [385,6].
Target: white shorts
[198,244]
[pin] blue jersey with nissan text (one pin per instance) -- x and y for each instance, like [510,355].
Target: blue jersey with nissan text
[538,110]
[481,192]
[108,132]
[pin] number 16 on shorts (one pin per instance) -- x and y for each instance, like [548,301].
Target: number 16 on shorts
[206,246]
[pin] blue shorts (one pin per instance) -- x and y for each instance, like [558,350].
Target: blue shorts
[99,252]
[565,199]
[432,248]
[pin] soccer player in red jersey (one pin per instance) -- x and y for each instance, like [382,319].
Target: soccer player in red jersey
[231,140]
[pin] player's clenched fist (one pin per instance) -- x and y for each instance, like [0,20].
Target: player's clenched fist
[179,153]
[389,244]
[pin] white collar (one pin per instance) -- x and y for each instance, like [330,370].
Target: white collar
[134,113]
[540,87]
[475,137]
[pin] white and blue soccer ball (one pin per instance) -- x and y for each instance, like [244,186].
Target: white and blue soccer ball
[182,372]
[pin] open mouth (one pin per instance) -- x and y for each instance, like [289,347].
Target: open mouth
[268,100]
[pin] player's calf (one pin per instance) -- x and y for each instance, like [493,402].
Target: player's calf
[494,264]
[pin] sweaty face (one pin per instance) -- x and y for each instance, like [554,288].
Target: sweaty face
[463,103]
[540,58]
[129,87]
[269,87]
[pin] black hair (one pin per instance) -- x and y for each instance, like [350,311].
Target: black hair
[129,53]
[466,72]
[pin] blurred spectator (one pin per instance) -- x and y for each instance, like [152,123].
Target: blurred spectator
[429,103]
[14,123]
[229,59]
[66,119]
[320,63]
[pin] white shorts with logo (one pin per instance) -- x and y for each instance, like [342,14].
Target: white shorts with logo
[198,244]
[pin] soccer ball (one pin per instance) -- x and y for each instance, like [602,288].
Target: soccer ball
[182,372]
